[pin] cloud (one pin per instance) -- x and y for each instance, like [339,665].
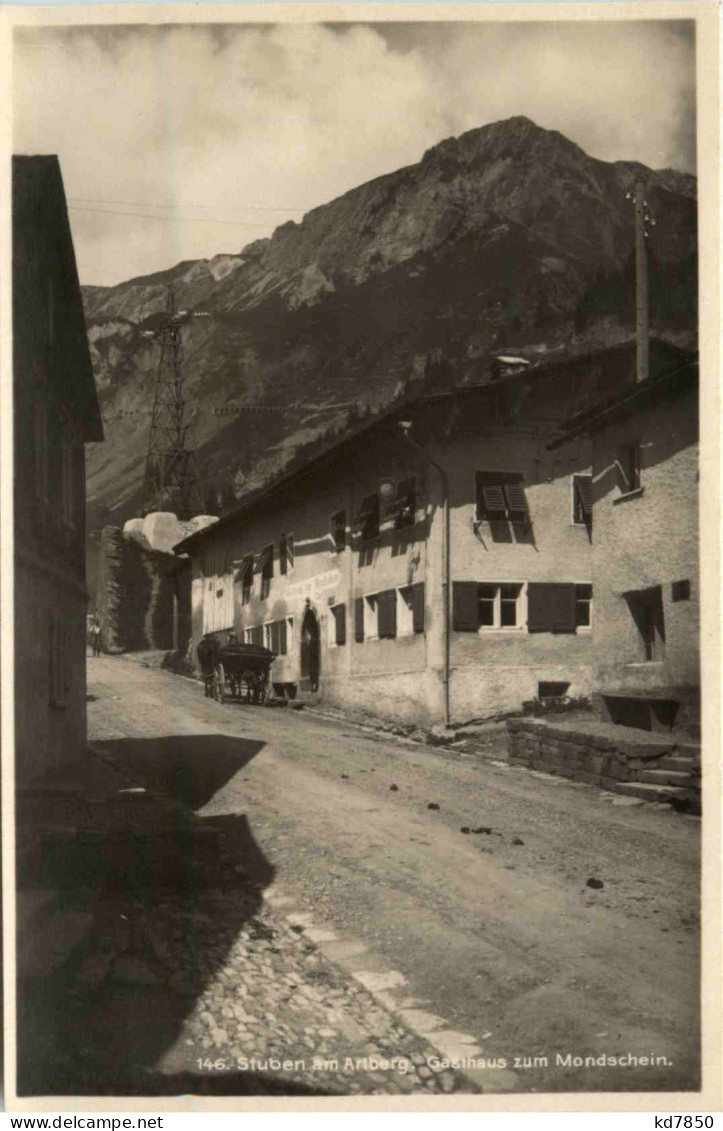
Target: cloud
[241,127]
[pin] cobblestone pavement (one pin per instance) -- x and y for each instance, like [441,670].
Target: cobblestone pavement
[211,990]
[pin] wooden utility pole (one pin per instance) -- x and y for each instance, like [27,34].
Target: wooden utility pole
[642,301]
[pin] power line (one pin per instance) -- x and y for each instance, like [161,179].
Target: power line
[158,204]
[167,219]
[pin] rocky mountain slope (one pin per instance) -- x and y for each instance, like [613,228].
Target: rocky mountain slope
[507,238]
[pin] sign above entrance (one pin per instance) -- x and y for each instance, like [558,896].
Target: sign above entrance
[313,585]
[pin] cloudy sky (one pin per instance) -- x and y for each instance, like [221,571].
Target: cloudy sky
[184,142]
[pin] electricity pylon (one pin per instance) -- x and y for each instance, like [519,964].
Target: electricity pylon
[171,480]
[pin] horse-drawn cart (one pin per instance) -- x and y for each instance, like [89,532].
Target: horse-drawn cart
[239,671]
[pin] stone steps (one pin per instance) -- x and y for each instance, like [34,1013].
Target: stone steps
[646,791]
[666,777]
[677,762]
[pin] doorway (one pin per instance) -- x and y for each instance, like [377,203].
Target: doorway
[310,650]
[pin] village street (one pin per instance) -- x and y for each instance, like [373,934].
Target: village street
[459,882]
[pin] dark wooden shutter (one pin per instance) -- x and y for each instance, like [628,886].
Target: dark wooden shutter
[493,499]
[359,619]
[282,637]
[516,499]
[340,617]
[539,607]
[418,607]
[563,617]
[465,606]
[387,614]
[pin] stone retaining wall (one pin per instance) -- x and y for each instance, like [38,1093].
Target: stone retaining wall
[135,595]
[600,753]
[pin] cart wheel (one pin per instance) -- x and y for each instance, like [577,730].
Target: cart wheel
[219,683]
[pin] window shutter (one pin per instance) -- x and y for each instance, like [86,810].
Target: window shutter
[359,619]
[465,614]
[493,499]
[563,617]
[282,555]
[418,607]
[516,499]
[387,614]
[583,488]
[539,607]
[340,617]
[283,646]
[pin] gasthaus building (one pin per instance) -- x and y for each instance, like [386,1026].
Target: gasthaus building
[435,565]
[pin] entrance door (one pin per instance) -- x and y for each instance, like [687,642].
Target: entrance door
[310,649]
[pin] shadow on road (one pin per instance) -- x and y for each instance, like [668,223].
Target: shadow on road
[165,893]
[189,768]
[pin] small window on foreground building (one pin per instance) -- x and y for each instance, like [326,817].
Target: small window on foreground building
[551,607]
[629,468]
[246,578]
[486,605]
[583,606]
[286,553]
[501,496]
[582,500]
[337,525]
[275,637]
[410,609]
[380,615]
[646,609]
[338,624]
[367,522]
[403,506]
[265,566]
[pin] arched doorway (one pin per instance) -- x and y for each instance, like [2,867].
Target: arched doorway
[310,649]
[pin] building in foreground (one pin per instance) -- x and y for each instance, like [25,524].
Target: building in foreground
[436,565]
[55,415]
[645,552]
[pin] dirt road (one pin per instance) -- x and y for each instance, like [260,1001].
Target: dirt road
[496,931]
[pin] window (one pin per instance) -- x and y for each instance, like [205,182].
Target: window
[246,577]
[403,507]
[629,468]
[68,484]
[40,446]
[501,496]
[486,605]
[275,637]
[255,635]
[338,531]
[583,606]
[582,500]
[338,624]
[58,676]
[265,566]
[286,553]
[551,607]
[367,522]
[646,608]
[410,610]
[380,615]
[386,605]
[680,591]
